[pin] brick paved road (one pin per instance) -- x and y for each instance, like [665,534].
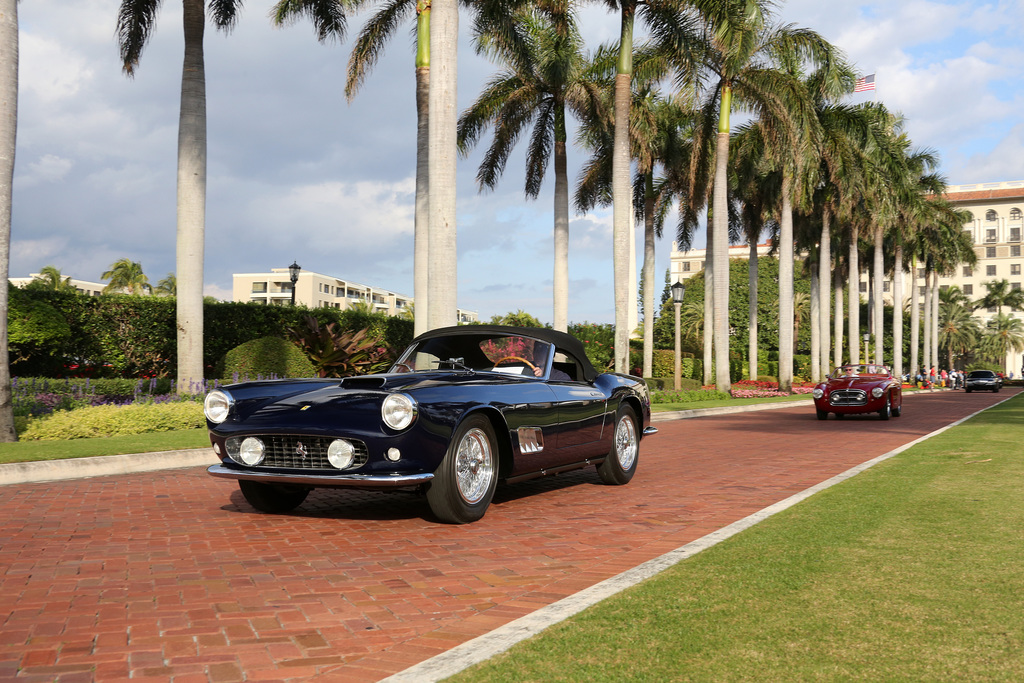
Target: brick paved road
[171,576]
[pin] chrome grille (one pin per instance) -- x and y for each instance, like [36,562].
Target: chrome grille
[283,451]
[848,397]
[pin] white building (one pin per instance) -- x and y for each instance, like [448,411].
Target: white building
[317,291]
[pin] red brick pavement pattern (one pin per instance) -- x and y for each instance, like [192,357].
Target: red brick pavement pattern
[170,576]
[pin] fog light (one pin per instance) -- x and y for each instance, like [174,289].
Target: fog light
[340,453]
[216,448]
[393,454]
[251,451]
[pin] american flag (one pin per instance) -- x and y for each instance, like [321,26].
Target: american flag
[866,83]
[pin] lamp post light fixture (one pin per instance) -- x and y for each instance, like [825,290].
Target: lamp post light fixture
[293,273]
[867,338]
[678,289]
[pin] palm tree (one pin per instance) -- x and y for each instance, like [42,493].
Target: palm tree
[545,74]
[959,331]
[50,278]
[8,135]
[743,54]
[168,286]
[1003,334]
[126,276]
[136,21]
[1000,294]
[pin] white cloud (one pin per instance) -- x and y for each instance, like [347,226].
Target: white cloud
[48,169]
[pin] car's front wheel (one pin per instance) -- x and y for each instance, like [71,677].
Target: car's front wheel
[272,498]
[886,409]
[464,484]
[620,465]
[897,410]
[822,414]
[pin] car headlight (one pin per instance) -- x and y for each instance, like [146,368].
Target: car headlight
[818,392]
[340,453]
[217,406]
[251,451]
[398,411]
[877,392]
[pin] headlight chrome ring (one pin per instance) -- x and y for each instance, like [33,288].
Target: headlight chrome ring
[877,392]
[399,411]
[252,450]
[218,405]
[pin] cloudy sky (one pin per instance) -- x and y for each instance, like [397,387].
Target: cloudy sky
[297,173]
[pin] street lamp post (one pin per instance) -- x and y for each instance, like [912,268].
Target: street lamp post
[678,289]
[293,273]
[867,338]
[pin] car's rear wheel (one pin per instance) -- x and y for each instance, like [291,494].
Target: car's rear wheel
[272,498]
[886,409]
[620,465]
[464,484]
[822,414]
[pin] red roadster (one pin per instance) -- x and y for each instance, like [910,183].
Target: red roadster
[863,388]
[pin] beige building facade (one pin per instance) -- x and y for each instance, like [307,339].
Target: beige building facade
[83,286]
[996,227]
[316,290]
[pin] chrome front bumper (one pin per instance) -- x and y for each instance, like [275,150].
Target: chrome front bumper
[368,481]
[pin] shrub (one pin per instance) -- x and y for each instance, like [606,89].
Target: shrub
[265,357]
[688,396]
[665,383]
[112,420]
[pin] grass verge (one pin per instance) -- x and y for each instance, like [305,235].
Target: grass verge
[693,405]
[909,571]
[28,451]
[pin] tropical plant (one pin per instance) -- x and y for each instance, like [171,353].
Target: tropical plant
[959,331]
[519,318]
[50,278]
[339,353]
[136,21]
[1003,334]
[168,286]
[8,134]
[999,294]
[126,276]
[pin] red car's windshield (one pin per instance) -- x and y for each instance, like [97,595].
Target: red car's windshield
[859,371]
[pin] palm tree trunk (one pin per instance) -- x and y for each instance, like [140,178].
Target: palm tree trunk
[648,275]
[786,336]
[421,240]
[752,267]
[837,287]
[621,190]
[721,257]
[854,287]
[915,320]
[709,304]
[8,136]
[879,303]
[926,323]
[935,319]
[560,286]
[442,273]
[825,282]
[815,324]
[897,314]
[191,202]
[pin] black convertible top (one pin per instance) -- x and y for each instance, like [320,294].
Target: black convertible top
[562,341]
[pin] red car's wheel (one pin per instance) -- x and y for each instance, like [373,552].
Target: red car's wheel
[886,409]
[822,414]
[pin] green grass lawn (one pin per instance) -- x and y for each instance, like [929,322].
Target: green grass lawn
[27,451]
[693,405]
[910,571]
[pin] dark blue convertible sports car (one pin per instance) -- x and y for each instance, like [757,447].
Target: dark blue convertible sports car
[462,408]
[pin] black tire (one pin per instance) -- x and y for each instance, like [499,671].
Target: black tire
[840,416]
[463,486]
[898,410]
[272,498]
[967,390]
[886,409]
[822,414]
[620,465]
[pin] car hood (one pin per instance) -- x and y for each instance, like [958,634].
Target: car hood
[305,401]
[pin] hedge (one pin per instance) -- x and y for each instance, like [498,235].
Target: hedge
[111,420]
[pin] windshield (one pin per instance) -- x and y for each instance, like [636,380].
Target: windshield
[858,370]
[514,355]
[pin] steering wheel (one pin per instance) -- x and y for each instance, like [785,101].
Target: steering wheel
[518,359]
[403,367]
